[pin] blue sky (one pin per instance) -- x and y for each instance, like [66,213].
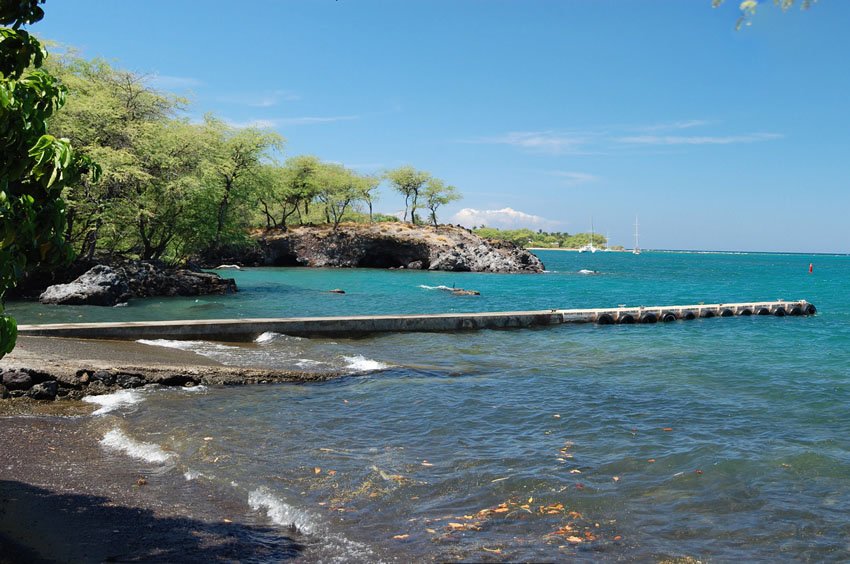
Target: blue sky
[543,113]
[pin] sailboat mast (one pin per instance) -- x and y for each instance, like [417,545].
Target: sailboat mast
[637,245]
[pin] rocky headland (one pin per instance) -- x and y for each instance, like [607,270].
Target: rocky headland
[391,245]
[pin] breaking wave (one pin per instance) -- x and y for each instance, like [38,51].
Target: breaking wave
[111,402]
[149,452]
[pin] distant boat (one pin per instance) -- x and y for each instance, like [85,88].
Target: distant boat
[589,247]
[636,250]
[607,242]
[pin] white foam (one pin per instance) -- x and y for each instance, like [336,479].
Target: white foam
[191,475]
[169,343]
[308,363]
[586,271]
[280,512]
[117,440]
[363,364]
[195,346]
[111,402]
[270,336]
[426,287]
[194,389]
[267,337]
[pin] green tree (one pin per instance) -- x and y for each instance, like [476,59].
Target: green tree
[437,194]
[116,118]
[34,165]
[289,189]
[233,174]
[157,205]
[338,188]
[368,188]
[409,183]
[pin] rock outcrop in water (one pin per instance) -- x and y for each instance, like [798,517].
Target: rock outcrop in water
[394,245]
[110,285]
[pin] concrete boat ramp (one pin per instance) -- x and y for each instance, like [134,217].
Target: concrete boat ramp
[234,330]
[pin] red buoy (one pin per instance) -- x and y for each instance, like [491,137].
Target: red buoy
[811,267]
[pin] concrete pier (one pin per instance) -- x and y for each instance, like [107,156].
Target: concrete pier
[353,326]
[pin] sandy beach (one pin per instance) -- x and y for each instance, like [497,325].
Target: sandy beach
[65,360]
[53,509]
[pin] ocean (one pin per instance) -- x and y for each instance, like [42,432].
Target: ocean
[715,439]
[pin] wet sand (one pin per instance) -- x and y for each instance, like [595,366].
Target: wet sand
[63,499]
[44,352]
[55,508]
[65,359]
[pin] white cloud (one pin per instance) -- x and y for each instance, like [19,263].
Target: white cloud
[278,122]
[274,98]
[312,120]
[265,99]
[620,138]
[698,139]
[537,141]
[572,178]
[685,124]
[505,218]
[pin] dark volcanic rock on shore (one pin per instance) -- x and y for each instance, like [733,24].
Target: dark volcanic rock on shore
[102,285]
[64,384]
[107,285]
[394,245]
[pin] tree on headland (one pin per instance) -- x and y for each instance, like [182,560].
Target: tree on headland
[437,194]
[34,166]
[292,189]
[338,188]
[368,187]
[409,182]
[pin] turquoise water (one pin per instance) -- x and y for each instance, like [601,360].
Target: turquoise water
[717,439]
[648,279]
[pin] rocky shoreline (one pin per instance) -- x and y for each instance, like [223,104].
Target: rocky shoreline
[389,245]
[50,369]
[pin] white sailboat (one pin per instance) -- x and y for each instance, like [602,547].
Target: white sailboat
[589,247]
[636,250]
[607,242]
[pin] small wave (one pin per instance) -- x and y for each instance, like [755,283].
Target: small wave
[267,337]
[586,271]
[308,363]
[117,440]
[111,402]
[280,512]
[362,364]
[270,336]
[426,287]
[185,345]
